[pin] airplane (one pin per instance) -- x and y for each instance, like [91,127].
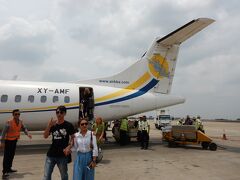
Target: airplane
[144,86]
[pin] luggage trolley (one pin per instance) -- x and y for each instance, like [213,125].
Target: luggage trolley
[187,134]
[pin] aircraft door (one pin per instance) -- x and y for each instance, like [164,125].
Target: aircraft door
[86,103]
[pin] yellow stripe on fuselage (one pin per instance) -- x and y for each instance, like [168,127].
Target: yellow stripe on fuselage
[127,89]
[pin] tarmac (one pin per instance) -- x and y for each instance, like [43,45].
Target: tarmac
[158,162]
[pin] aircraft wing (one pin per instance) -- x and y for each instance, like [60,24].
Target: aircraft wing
[185,32]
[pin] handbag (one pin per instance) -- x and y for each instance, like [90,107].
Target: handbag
[100,156]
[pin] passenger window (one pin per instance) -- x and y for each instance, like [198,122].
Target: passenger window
[66,99]
[43,99]
[31,98]
[4,98]
[18,98]
[55,99]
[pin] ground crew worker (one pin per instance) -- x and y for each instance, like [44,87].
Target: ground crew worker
[144,133]
[9,138]
[116,130]
[123,132]
[200,125]
[139,133]
[180,122]
[188,121]
[195,123]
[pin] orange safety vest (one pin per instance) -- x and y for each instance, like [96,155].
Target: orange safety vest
[13,132]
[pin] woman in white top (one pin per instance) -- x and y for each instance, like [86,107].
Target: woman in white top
[87,152]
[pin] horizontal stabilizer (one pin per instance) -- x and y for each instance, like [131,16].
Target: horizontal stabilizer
[183,33]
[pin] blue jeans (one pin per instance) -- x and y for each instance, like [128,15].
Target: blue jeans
[50,164]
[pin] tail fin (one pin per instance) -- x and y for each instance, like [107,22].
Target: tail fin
[155,70]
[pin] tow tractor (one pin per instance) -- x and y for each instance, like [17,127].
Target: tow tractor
[185,135]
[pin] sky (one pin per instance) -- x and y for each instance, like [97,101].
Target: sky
[69,40]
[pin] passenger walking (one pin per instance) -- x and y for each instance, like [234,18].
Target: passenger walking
[199,124]
[9,138]
[87,152]
[180,122]
[144,133]
[123,132]
[195,123]
[88,104]
[98,130]
[62,140]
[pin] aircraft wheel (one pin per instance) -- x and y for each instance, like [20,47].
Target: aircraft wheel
[205,145]
[212,146]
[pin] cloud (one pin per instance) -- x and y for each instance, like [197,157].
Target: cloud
[26,42]
[184,4]
[109,25]
[210,75]
[133,24]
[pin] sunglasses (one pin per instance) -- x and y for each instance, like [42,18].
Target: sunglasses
[82,124]
[59,112]
[17,114]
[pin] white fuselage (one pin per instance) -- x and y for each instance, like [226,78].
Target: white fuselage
[38,101]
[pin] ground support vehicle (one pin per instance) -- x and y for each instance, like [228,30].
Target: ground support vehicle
[132,130]
[187,135]
[162,121]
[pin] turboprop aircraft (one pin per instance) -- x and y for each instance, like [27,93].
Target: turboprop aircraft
[142,87]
